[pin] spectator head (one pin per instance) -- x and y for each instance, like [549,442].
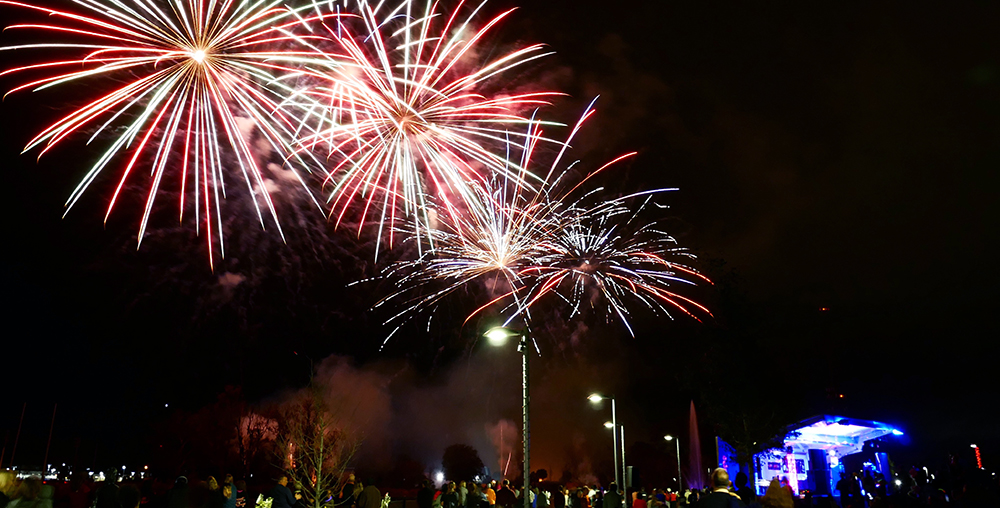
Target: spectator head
[181,481]
[741,479]
[129,497]
[613,487]
[720,478]
[283,481]
[228,479]
[7,485]
[506,483]
[241,485]
[213,485]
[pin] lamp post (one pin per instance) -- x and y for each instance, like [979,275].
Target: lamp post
[624,473]
[497,337]
[594,398]
[677,442]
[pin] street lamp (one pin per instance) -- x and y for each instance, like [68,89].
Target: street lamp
[677,442]
[595,398]
[498,336]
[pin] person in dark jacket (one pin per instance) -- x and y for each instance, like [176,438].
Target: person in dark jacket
[612,499]
[370,496]
[425,497]
[214,497]
[241,494]
[282,496]
[506,496]
[745,492]
[107,494]
[720,497]
[449,497]
[179,496]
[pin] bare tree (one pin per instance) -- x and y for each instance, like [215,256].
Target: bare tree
[254,433]
[316,449]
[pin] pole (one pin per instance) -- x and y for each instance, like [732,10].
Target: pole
[526,432]
[678,443]
[614,434]
[45,463]
[624,472]
[3,454]
[18,435]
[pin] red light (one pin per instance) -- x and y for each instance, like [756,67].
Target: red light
[841,395]
[824,309]
[979,459]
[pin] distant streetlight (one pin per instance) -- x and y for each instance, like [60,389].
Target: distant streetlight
[677,442]
[497,336]
[595,398]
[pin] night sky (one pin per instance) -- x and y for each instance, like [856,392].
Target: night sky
[841,157]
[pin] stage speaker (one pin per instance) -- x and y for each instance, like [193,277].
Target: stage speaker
[819,473]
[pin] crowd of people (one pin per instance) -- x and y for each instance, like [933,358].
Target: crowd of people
[918,489]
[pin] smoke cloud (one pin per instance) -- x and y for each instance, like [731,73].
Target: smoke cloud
[396,411]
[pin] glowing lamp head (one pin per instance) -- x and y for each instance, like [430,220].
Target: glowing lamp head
[595,398]
[198,55]
[498,335]
[668,437]
[609,425]
[897,432]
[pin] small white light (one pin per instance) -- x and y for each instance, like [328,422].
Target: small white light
[198,55]
[595,398]
[899,482]
[668,437]
[608,425]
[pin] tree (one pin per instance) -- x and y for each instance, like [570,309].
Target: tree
[461,462]
[254,433]
[315,449]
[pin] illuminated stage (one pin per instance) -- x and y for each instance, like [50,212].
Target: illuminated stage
[812,458]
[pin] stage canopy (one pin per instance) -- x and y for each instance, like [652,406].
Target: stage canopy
[842,436]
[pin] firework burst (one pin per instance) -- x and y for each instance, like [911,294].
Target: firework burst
[181,82]
[406,118]
[532,245]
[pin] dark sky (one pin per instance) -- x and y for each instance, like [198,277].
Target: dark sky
[829,156]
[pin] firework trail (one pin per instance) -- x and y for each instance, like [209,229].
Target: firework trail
[182,82]
[533,245]
[406,116]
